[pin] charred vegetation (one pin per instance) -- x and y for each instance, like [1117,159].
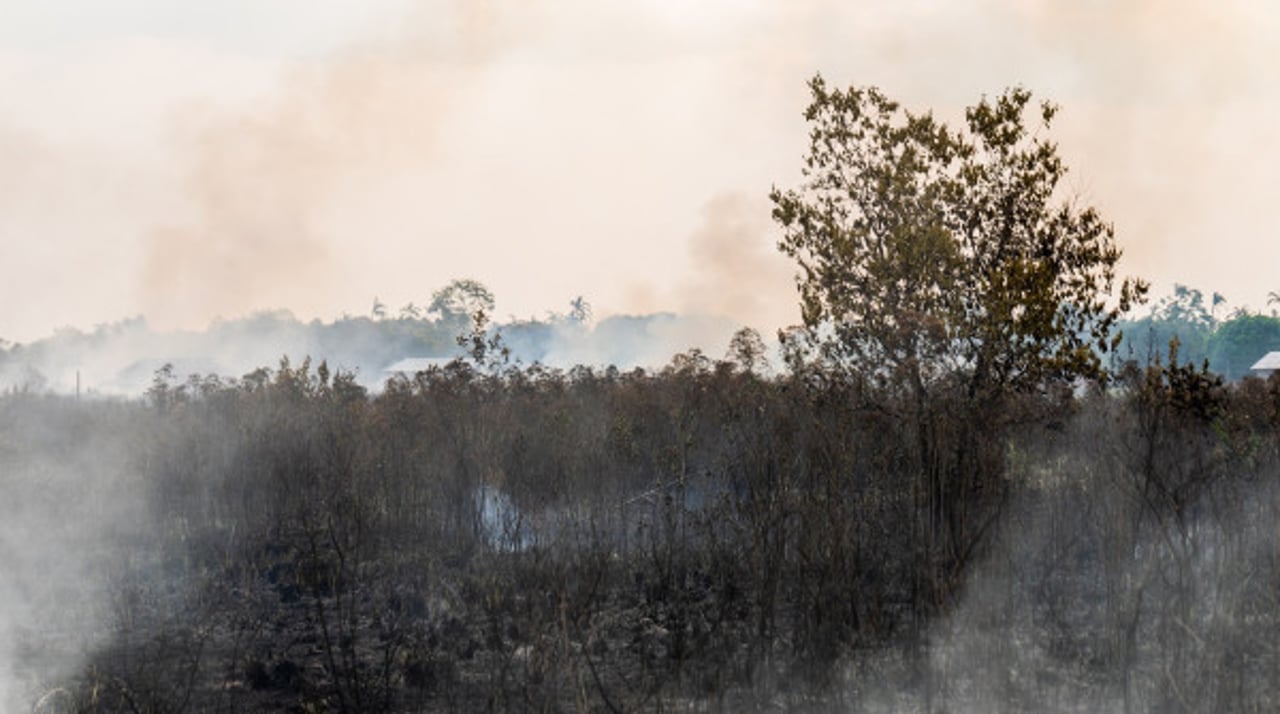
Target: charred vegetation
[696,537]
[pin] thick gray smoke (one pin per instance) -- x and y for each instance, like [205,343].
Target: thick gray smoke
[69,493]
[1091,598]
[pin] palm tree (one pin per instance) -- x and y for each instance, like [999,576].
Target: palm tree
[1273,298]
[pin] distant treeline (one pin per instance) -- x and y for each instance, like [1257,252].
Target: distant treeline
[1230,341]
[121,358]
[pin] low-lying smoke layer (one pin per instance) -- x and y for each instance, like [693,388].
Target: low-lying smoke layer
[126,358]
[72,494]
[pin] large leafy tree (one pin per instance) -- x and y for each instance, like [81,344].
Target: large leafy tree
[927,251]
[947,269]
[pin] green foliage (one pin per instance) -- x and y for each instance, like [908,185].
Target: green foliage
[943,271]
[1187,306]
[927,251]
[1230,346]
[1242,340]
[1181,315]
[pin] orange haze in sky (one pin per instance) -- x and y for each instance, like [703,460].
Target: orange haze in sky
[191,160]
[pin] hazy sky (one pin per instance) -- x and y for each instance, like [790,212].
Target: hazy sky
[186,160]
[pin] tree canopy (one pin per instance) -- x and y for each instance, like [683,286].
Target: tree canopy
[1241,341]
[1182,315]
[461,300]
[1229,345]
[928,251]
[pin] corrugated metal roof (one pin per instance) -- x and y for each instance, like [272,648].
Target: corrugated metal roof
[1269,362]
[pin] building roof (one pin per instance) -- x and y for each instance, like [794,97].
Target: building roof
[413,365]
[1271,361]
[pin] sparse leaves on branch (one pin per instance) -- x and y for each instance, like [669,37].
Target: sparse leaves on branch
[580,311]
[747,350]
[484,347]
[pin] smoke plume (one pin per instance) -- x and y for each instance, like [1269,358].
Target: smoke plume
[535,145]
[737,271]
[258,182]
